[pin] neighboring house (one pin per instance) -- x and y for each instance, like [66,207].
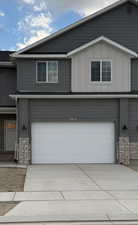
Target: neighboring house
[76,94]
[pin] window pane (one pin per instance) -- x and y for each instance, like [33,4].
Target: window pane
[41,72]
[52,71]
[95,71]
[106,71]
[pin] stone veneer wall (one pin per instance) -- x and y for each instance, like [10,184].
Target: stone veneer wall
[23,151]
[133,150]
[124,150]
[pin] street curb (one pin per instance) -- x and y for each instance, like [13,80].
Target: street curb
[75,218]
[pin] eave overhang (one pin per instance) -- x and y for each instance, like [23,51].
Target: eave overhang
[99,96]
[81,48]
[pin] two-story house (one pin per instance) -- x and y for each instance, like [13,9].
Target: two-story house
[76,93]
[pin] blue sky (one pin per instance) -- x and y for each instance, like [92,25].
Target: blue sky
[23,22]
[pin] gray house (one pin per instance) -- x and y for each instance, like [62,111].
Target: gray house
[73,96]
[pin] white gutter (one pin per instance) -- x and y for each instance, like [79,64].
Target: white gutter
[74,96]
[42,56]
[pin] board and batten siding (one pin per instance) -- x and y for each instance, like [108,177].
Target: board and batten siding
[81,69]
[26,76]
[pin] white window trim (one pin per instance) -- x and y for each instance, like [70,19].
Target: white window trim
[45,82]
[102,82]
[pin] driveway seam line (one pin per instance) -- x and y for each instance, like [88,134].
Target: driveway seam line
[13,198]
[62,195]
[125,206]
[88,176]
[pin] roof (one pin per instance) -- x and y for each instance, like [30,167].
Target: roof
[5,56]
[120,2]
[91,43]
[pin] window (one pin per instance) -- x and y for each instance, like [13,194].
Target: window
[101,71]
[47,72]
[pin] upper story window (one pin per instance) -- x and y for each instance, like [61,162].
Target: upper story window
[101,71]
[47,72]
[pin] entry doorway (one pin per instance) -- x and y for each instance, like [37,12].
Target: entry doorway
[7,139]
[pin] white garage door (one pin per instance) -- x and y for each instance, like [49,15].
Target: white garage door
[73,142]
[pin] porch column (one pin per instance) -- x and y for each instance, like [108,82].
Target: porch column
[124,153]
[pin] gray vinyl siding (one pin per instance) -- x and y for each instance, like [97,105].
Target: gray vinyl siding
[117,24]
[65,110]
[26,77]
[122,112]
[133,120]
[42,110]
[134,74]
[7,86]
[1,135]
[23,118]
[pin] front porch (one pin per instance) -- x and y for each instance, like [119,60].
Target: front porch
[7,137]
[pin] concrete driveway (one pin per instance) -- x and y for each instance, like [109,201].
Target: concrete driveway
[78,192]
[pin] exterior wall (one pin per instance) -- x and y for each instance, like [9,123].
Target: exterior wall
[42,110]
[61,110]
[123,112]
[119,24]
[134,74]
[23,143]
[124,147]
[7,86]
[26,77]
[133,128]
[81,69]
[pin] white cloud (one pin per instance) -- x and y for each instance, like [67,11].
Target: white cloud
[37,36]
[41,6]
[34,28]
[2,13]
[32,21]
[28,1]
[83,7]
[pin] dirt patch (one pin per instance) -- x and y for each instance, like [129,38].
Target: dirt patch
[6,207]
[134,165]
[12,179]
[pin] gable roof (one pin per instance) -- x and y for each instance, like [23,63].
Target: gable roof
[106,9]
[107,40]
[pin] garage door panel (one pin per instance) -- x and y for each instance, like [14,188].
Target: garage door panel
[72,142]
